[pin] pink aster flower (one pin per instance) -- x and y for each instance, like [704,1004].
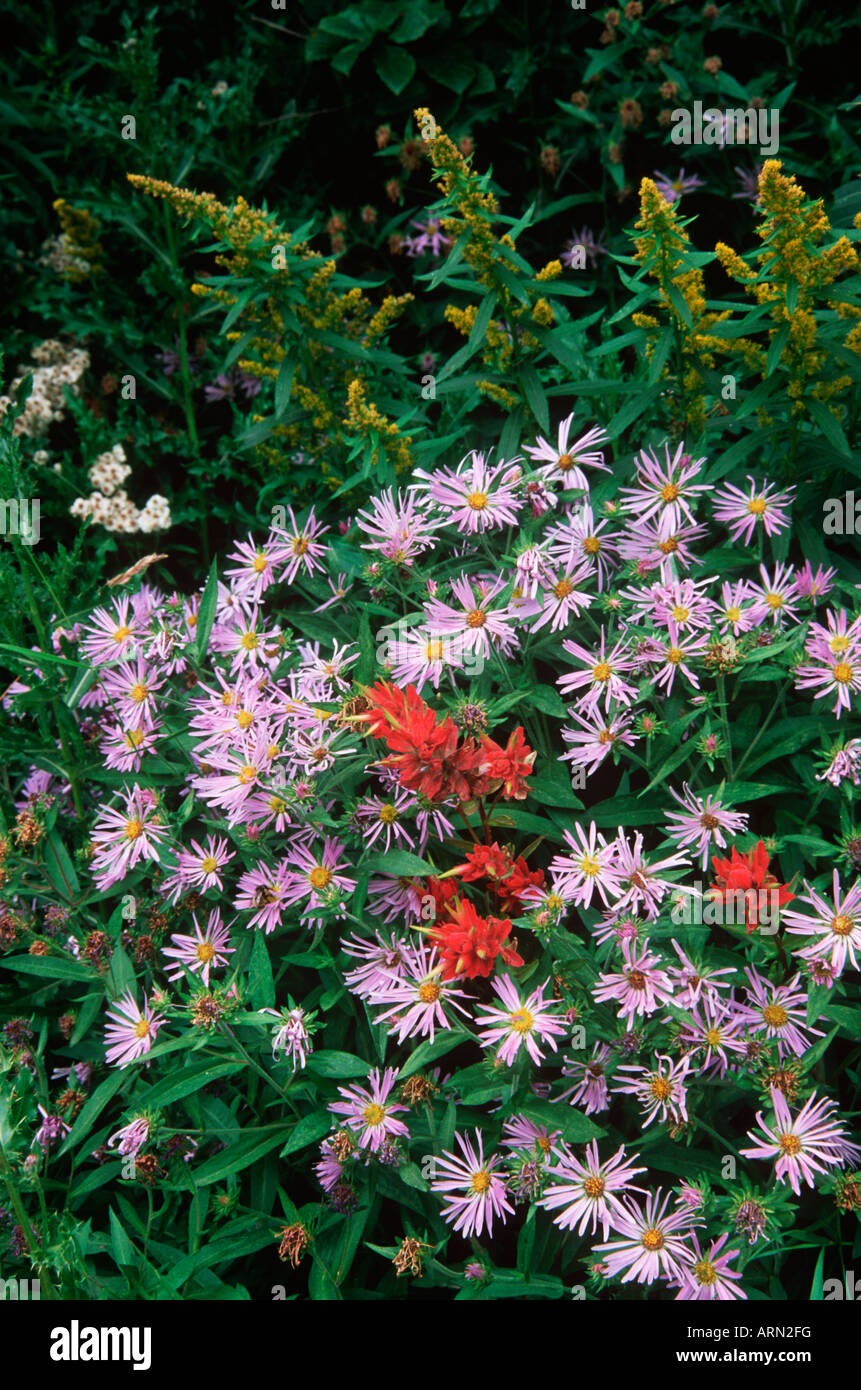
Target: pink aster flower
[643,888]
[474,1193]
[111,633]
[562,464]
[132,1137]
[710,1277]
[421,656]
[131,1031]
[652,545]
[600,676]
[263,892]
[589,867]
[589,1191]
[318,876]
[291,1035]
[370,1112]
[641,988]
[478,497]
[837,924]
[590,1087]
[417,998]
[742,511]
[778,592]
[382,961]
[203,952]
[132,688]
[521,1021]
[399,526]
[844,763]
[714,1031]
[198,868]
[779,1011]
[665,491]
[579,538]
[475,622]
[814,586]
[672,189]
[595,739]
[810,1143]
[380,816]
[124,837]
[563,596]
[519,1132]
[739,610]
[702,822]
[652,1244]
[660,1092]
[838,676]
[52,1129]
[257,567]
[302,549]
[693,981]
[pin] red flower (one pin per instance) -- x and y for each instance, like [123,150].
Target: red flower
[423,751]
[508,767]
[486,861]
[469,944]
[748,874]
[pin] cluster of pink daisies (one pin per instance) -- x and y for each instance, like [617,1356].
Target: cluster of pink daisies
[498,563]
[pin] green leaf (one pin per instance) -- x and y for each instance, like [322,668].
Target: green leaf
[284,383]
[428,1052]
[829,427]
[308,1131]
[93,1108]
[191,1079]
[816,1287]
[59,867]
[206,613]
[534,393]
[396,67]
[261,985]
[53,967]
[339,1064]
[411,1174]
[575,1128]
[123,1251]
[398,862]
[238,1156]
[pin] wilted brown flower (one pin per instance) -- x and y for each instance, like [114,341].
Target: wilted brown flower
[630,114]
[294,1242]
[418,1089]
[550,160]
[408,1260]
[383,136]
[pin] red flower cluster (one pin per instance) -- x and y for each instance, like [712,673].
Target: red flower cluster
[469,944]
[424,749]
[748,873]
[507,878]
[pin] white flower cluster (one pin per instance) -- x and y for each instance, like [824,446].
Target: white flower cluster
[110,505]
[58,366]
[59,255]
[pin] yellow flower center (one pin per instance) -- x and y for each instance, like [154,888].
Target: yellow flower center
[841,925]
[681,614]
[373,1114]
[669,492]
[141,1028]
[320,877]
[733,613]
[705,1272]
[249,641]
[602,672]
[839,645]
[476,618]
[652,1239]
[134,738]
[388,813]
[563,588]
[209,864]
[606,736]
[429,992]
[843,672]
[277,804]
[433,650]
[674,655]
[522,1021]
[756,505]
[244,718]
[134,828]
[299,545]
[259,564]
[477,500]
[121,633]
[480,1181]
[775,1015]
[774,600]
[565,462]
[594,1187]
[660,1088]
[589,866]
[790,1143]
[713,1037]
[247,773]
[591,545]
[669,546]
[205,951]
[138,693]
